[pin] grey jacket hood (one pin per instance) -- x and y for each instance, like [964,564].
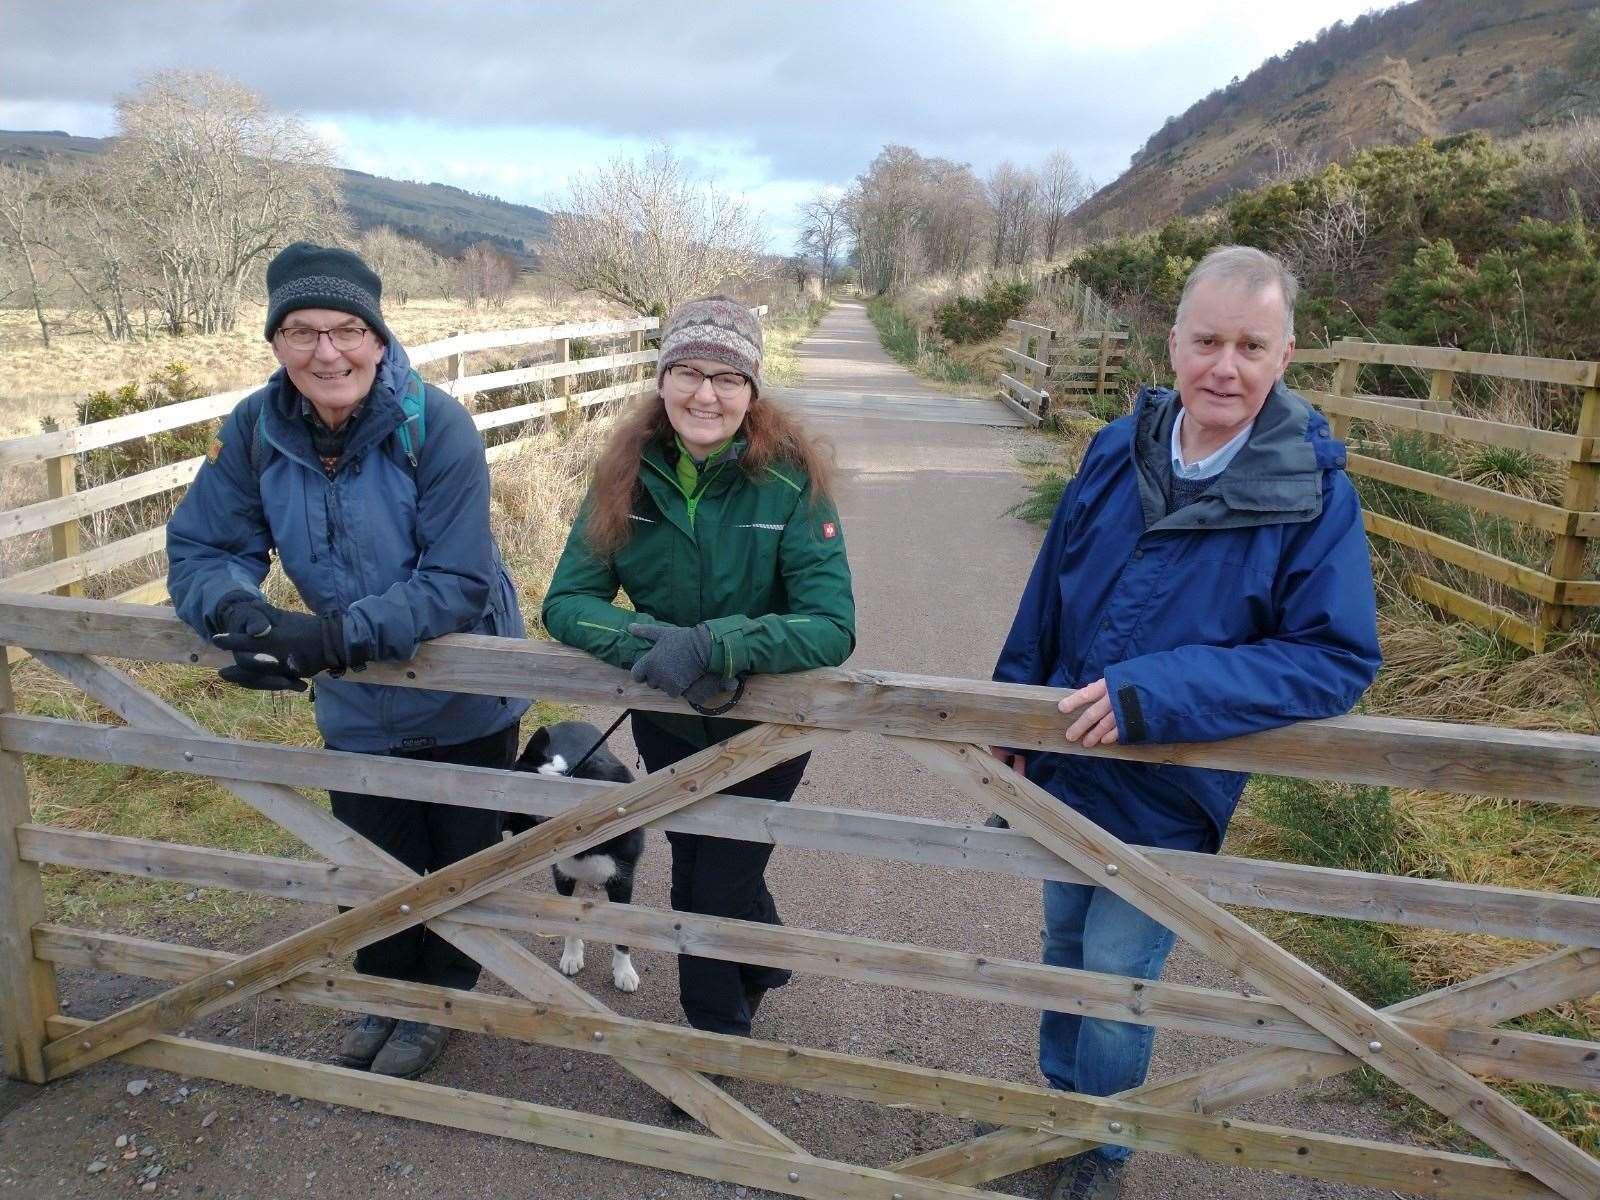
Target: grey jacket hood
[1276,478]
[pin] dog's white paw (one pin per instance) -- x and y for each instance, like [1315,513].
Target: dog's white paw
[622,972]
[572,956]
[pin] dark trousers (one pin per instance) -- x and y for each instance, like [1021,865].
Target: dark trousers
[721,877]
[426,837]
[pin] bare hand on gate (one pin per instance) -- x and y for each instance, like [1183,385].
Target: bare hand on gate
[1095,722]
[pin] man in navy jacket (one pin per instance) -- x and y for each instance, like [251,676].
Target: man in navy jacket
[373,490]
[1205,575]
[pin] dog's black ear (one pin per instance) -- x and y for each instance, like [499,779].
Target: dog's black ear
[537,751]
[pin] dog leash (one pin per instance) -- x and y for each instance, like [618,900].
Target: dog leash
[589,753]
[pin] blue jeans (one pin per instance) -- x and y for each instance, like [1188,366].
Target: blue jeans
[1091,929]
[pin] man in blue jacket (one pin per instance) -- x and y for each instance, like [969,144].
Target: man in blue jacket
[1205,575]
[373,490]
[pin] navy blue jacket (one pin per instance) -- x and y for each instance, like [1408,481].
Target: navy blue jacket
[406,554]
[1249,609]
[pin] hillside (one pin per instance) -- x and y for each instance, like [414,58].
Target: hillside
[445,217]
[1426,69]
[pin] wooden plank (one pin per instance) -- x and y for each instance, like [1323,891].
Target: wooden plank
[1441,389]
[497,339]
[1021,410]
[1503,1053]
[438,892]
[495,380]
[1481,562]
[88,564]
[42,446]
[1483,499]
[1497,621]
[1313,356]
[75,505]
[1582,492]
[498,953]
[496,418]
[1563,446]
[1498,995]
[1428,903]
[1030,328]
[1038,397]
[1565,371]
[1561,768]
[1378,1040]
[855,1077]
[27,985]
[789,1173]
[1022,360]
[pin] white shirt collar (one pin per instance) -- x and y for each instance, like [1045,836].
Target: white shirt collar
[1212,464]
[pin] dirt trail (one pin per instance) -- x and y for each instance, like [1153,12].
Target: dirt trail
[938,566]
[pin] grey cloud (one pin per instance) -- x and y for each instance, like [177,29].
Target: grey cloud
[815,88]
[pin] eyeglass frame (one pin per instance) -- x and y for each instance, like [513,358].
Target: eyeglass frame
[744,380]
[285,330]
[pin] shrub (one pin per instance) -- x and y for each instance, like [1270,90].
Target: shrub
[967,319]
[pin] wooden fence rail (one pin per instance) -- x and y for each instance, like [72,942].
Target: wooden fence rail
[1296,1026]
[69,567]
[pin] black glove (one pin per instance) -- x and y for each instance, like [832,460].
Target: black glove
[275,649]
[679,663]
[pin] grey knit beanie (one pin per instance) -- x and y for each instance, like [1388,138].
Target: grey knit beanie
[717,328]
[305,275]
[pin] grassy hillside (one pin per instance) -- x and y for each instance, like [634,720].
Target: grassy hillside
[444,217]
[1428,69]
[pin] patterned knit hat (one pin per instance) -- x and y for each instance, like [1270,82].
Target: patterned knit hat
[717,328]
[304,275]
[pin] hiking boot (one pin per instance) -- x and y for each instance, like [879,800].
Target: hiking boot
[361,1044]
[1089,1176]
[410,1050]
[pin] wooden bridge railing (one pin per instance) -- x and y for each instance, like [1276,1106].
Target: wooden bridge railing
[1297,1027]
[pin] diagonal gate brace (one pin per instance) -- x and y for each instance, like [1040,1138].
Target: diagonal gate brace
[1372,1037]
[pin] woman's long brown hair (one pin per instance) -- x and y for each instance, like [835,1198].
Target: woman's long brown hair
[771,436]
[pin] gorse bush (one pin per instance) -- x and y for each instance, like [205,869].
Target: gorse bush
[973,319]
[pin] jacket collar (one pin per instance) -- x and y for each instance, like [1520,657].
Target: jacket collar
[381,411]
[1276,478]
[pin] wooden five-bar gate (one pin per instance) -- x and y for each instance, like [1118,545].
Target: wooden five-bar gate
[1297,1027]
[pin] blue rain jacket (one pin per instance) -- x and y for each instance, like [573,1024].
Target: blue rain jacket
[1249,609]
[406,553]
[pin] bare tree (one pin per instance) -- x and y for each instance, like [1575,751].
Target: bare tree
[25,219]
[406,266]
[1062,188]
[645,233]
[1014,209]
[485,272]
[217,183]
[1329,236]
[824,227]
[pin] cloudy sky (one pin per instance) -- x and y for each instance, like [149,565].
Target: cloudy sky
[773,100]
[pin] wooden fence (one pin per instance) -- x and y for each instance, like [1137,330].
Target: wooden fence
[1297,1027]
[70,566]
[1051,365]
[1562,589]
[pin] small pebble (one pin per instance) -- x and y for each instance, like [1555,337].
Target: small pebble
[138,1087]
[122,1141]
[97,1166]
[210,1119]
[147,1151]
[149,1187]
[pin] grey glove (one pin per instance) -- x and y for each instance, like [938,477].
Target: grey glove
[679,663]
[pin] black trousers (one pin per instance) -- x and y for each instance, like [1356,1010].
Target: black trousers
[426,837]
[721,877]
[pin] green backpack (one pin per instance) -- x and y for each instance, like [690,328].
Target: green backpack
[410,433]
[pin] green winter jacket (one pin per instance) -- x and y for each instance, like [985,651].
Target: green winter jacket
[755,559]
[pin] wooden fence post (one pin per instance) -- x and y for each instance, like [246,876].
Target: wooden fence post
[1345,378]
[564,384]
[27,985]
[636,345]
[1441,386]
[1582,494]
[1105,354]
[455,368]
[61,479]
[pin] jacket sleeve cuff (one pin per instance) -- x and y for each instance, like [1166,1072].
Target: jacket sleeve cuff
[730,655]
[1127,705]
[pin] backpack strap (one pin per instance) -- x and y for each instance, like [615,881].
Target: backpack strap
[411,432]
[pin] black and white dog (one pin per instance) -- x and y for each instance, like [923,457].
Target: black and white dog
[554,750]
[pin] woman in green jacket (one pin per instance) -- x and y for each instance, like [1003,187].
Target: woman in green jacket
[710,508]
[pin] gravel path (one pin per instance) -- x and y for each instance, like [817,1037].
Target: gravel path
[938,566]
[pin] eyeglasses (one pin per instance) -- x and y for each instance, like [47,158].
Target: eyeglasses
[727,384]
[306,337]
